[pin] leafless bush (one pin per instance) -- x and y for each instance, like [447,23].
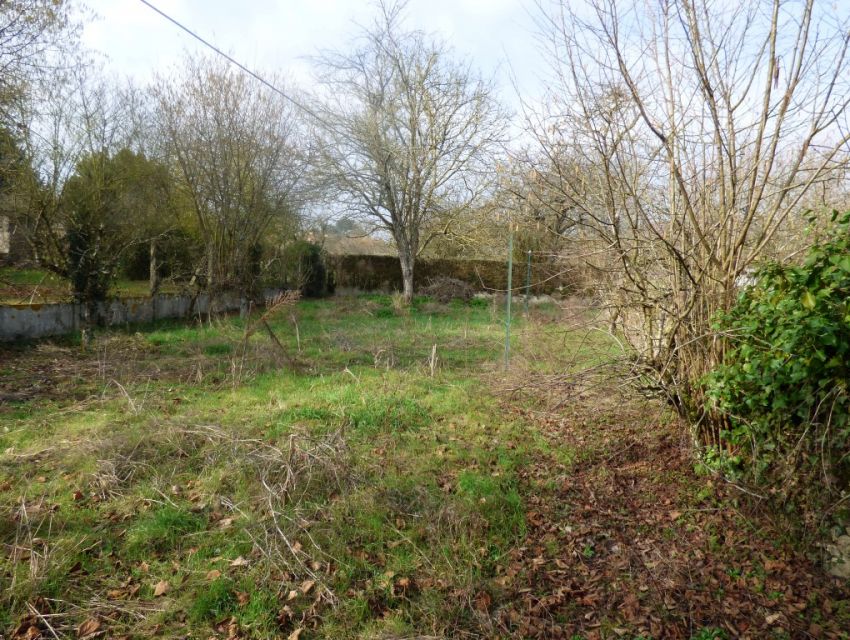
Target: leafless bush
[384,358]
[681,140]
[36,554]
[445,289]
[113,475]
[348,293]
[275,307]
[281,480]
[309,465]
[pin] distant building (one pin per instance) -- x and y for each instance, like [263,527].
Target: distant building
[5,238]
[746,279]
[337,244]
[13,249]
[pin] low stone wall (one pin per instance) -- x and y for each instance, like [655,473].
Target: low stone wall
[383,273]
[31,321]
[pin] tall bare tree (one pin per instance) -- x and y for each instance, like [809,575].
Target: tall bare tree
[702,127]
[238,154]
[35,38]
[409,134]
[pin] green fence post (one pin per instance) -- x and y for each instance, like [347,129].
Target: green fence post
[508,302]
[527,282]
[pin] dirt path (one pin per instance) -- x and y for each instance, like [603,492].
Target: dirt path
[628,541]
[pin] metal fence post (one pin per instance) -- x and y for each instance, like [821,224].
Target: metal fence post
[508,302]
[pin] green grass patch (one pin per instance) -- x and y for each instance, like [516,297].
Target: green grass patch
[389,414]
[354,485]
[218,349]
[161,530]
[499,501]
[213,601]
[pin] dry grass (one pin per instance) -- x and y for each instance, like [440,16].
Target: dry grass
[382,491]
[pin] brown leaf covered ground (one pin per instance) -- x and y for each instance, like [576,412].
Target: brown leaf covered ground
[628,541]
[166,484]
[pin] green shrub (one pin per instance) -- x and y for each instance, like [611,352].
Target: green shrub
[782,387]
[305,269]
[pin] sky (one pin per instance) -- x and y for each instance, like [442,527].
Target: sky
[496,36]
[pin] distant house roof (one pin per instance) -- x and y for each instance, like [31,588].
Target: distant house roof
[362,246]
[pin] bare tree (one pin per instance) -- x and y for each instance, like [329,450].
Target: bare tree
[36,37]
[701,128]
[239,158]
[409,135]
[32,35]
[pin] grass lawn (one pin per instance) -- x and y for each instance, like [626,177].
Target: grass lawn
[381,478]
[20,286]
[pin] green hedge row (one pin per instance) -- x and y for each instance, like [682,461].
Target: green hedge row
[370,273]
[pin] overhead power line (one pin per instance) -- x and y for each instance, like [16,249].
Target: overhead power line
[233,61]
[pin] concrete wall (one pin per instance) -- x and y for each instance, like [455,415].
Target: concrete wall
[29,321]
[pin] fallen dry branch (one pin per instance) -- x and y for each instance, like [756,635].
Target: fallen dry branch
[306,468]
[275,307]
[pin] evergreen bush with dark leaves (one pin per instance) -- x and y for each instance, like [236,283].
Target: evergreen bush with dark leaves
[782,387]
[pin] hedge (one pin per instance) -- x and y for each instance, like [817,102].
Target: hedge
[371,273]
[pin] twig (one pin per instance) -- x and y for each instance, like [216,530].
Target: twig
[132,404]
[297,332]
[43,620]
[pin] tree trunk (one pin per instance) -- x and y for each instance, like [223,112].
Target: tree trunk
[154,269]
[405,257]
[211,264]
